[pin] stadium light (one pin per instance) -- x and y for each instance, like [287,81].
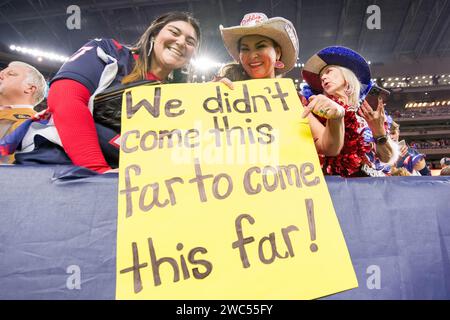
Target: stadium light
[39,54]
[205,64]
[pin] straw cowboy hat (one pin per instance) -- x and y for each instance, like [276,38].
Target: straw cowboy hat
[278,29]
[338,56]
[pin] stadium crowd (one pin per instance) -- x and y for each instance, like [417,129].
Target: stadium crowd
[352,137]
[421,112]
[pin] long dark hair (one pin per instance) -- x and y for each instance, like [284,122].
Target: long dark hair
[235,71]
[141,48]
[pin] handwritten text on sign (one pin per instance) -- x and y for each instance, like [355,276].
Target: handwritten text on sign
[221,197]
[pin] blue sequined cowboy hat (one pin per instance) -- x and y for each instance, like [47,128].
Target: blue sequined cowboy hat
[339,56]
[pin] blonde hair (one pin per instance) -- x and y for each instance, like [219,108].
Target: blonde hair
[353,86]
[34,78]
[395,127]
[399,172]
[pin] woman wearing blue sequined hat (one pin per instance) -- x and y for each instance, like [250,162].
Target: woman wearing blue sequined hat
[351,64]
[343,76]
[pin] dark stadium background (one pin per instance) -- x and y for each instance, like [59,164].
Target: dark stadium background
[409,55]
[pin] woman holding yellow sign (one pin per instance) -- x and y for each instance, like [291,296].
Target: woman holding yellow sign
[71,136]
[268,48]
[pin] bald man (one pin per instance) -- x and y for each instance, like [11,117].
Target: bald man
[21,88]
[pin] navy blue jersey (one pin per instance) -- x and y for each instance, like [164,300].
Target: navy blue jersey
[87,64]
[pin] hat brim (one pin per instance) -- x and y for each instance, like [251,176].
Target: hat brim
[339,56]
[275,29]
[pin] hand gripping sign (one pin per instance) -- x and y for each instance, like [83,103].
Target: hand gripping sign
[221,196]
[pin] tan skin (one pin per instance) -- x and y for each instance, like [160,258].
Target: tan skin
[334,84]
[173,48]
[13,87]
[395,135]
[328,139]
[375,120]
[258,56]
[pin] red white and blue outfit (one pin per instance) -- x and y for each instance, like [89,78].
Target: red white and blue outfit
[357,157]
[70,135]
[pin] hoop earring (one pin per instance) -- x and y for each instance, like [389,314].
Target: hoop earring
[279,64]
[150,47]
[348,91]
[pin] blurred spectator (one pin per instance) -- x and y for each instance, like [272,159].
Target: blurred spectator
[410,158]
[445,162]
[445,171]
[21,88]
[422,112]
[431,144]
[399,172]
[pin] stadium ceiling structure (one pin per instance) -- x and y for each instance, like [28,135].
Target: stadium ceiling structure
[411,30]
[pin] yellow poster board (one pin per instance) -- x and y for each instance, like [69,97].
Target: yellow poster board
[221,196]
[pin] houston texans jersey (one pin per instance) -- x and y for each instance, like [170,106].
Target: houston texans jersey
[87,65]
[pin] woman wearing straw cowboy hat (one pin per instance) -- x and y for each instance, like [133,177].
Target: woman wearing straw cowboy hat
[268,48]
[344,76]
